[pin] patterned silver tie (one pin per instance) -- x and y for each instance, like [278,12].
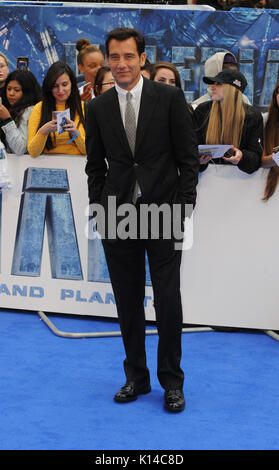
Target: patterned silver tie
[130,122]
[131,129]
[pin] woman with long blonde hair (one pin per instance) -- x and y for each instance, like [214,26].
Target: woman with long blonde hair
[227,120]
[271,140]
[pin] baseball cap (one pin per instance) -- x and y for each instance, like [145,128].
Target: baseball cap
[230,77]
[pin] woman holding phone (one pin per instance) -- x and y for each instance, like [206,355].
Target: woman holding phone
[89,60]
[60,92]
[226,120]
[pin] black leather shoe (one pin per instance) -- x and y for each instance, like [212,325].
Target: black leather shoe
[130,391]
[174,400]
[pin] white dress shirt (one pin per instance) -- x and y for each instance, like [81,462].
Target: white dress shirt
[136,96]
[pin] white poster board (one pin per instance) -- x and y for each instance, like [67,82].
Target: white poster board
[229,275]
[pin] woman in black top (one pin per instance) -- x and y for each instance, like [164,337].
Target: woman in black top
[227,120]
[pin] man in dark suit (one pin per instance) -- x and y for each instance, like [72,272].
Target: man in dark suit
[159,165]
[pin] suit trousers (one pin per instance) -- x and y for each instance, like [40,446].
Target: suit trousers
[126,260]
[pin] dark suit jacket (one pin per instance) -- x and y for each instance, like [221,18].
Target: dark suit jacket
[166,161]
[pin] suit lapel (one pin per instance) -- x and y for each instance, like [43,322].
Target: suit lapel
[114,117]
[148,101]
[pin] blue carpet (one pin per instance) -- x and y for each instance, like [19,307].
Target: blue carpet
[57,393]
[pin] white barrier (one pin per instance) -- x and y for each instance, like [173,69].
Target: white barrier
[229,276]
[45,292]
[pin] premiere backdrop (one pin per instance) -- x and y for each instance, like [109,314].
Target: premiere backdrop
[230,273]
[46,33]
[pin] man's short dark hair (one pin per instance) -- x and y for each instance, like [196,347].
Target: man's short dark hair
[120,34]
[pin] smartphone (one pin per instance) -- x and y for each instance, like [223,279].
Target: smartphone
[22,63]
[230,153]
[87,85]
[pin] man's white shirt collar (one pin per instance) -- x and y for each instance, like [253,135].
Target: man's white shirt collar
[136,98]
[134,91]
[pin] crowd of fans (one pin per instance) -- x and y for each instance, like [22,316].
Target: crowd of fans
[29,111]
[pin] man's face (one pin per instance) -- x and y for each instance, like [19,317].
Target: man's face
[125,62]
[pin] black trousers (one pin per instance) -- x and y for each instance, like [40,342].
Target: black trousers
[126,265]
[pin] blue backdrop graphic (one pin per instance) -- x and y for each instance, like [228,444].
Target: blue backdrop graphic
[46,199]
[46,33]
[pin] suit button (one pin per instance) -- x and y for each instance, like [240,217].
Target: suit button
[136,164]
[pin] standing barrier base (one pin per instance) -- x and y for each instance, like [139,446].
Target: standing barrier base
[272,334]
[103,334]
